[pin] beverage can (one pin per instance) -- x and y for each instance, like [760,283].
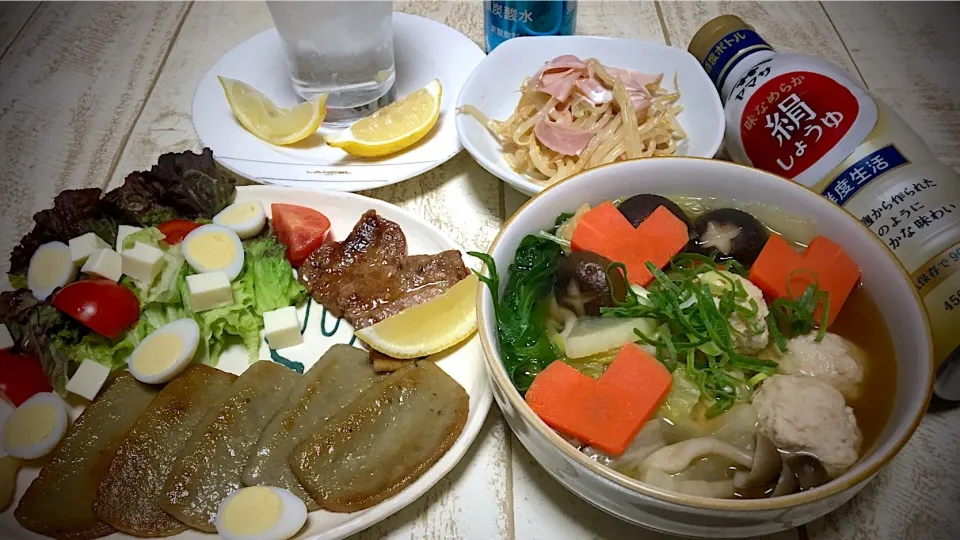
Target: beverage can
[509,19]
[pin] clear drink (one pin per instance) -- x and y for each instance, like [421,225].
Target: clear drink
[340,48]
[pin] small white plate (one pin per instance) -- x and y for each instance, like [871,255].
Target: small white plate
[465,362]
[494,88]
[423,50]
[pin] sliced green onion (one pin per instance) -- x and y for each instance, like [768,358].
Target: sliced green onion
[555,239]
[757,379]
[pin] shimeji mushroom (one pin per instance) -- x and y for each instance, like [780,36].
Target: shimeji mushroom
[767,473]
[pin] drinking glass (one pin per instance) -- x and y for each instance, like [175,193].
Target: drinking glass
[340,48]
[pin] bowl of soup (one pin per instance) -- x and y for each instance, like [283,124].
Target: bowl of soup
[702,348]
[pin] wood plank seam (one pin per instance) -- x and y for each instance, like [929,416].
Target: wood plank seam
[146,99]
[663,24]
[508,446]
[25,24]
[836,30]
[502,201]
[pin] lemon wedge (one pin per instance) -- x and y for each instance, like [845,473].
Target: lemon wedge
[438,324]
[393,128]
[268,122]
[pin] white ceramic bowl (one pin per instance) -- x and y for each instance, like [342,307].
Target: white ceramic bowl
[494,88]
[883,279]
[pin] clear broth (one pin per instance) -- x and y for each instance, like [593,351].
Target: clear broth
[861,322]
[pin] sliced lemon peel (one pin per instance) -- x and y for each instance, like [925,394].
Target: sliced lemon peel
[428,328]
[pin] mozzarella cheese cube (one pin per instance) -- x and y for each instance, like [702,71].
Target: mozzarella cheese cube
[89,379]
[123,232]
[142,262]
[6,340]
[282,328]
[210,290]
[83,246]
[104,263]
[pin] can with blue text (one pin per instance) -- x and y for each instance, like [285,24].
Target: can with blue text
[514,18]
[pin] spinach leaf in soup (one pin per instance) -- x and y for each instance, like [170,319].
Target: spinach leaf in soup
[524,345]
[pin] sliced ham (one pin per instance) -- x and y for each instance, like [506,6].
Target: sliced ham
[563,139]
[640,102]
[567,61]
[562,64]
[634,81]
[594,91]
[559,85]
[565,74]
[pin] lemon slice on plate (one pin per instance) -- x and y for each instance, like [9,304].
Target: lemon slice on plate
[393,128]
[266,121]
[438,324]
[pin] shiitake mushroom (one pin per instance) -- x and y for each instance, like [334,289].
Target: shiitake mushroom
[639,207]
[728,233]
[582,286]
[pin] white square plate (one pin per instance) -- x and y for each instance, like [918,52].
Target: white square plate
[494,88]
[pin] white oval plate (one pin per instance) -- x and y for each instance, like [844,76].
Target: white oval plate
[464,363]
[494,88]
[423,50]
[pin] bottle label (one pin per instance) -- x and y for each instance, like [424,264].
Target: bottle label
[729,51]
[896,188]
[915,209]
[794,120]
[939,283]
[858,175]
[504,20]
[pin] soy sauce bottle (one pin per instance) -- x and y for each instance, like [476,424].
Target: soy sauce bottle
[804,118]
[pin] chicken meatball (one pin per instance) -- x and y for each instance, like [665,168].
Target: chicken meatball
[804,414]
[751,335]
[833,360]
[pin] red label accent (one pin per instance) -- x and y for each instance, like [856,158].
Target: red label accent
[794,119]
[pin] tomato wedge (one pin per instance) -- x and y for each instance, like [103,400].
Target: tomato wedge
[21,377]
[301,229]
[175,230]
[104,306]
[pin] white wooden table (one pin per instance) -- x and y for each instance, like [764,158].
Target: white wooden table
[90,92]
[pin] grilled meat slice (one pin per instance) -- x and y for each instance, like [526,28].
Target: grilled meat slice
[373,242]
[368,277]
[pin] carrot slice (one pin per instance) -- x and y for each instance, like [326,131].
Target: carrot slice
[658,239]
[598,226]
[781,272]
[634,385]
[558,395]
[608,413]
[605,231]
[773,266]
[836,272]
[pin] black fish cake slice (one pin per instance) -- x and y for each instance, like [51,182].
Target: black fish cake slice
[129,495]
[383,441]
[211,463]
[338,378]
[59,502]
